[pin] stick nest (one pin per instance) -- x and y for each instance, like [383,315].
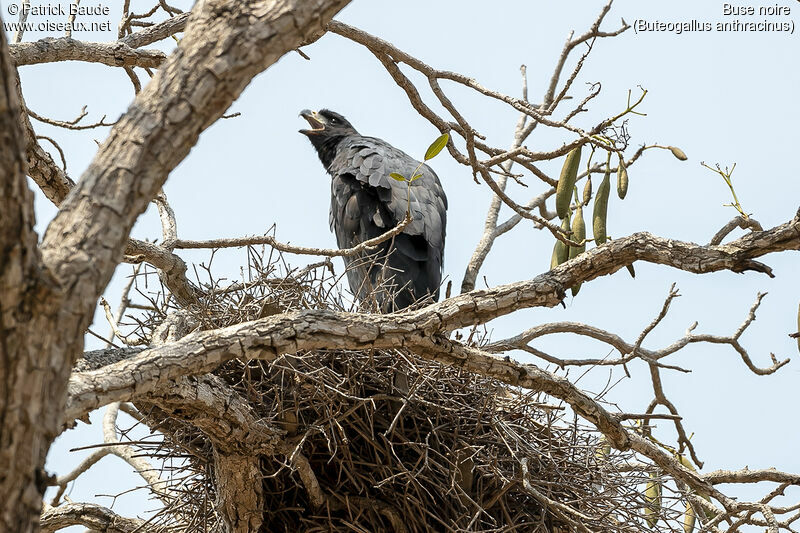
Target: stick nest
[394,442]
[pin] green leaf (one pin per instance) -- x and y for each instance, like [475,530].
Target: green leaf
[398,177]
[418,176]
[436,146]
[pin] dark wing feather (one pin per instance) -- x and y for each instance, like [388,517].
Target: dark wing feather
[366,202]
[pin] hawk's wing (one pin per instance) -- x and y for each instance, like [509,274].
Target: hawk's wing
[370,161]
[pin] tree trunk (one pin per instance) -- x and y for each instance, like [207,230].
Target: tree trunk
[26,354]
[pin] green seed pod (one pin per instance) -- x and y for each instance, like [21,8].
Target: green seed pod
[600,211]
[560,249]
[682,459]
[677,152]
[652,500]
[705,513]
[798,326]
[622,180]
[578,235]
[587,191]
[689,519]
[555,255]
[569,173]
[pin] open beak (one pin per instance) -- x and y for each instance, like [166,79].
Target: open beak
[314,120]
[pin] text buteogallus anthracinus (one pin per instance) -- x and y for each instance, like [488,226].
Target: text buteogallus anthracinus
[366,202]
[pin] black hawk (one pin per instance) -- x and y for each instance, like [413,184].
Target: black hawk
[366,202]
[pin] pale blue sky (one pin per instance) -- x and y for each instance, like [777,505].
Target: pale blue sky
[721,97]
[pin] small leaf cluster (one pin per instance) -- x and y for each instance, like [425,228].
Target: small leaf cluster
[432,151]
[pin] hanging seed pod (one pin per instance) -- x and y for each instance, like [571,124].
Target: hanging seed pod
[631,271]
[587,191]
[682,459]
[569,173]
[560,249]
[578,235]
[677,152]
[600,211]
[622,180]
[689,519]
[652,500]
[704,513]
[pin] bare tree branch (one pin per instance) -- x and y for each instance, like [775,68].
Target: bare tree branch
[171,268]
[629,352]
[738,222]
[158,486]
[23,16]
[301,250]
[67,49]
[25,289]
[238,437]
[718,477]
[156,32]
[93,516]
[72,124]
[51,179]
[220,413]
[295,331]
[268,338]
